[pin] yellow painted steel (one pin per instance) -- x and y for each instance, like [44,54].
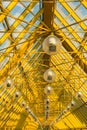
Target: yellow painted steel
[69,28]
[9,8]
[69,122]
[71,45]
[23,49]
[84,2]
[26,67]
[16,23]
[73,14]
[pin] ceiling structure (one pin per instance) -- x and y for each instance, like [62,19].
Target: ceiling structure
[24,24]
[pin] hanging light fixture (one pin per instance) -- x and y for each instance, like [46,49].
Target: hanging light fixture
[27,108]
[64,111]
[51,45]
[47,108]
[8,82]
[23,104]
[49,76]
[47,100]
[48,90]
[17,94]
[47,114]
[79,94]
[68,107]
[72,103]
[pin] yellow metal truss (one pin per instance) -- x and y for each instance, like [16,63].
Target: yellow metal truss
[24,24]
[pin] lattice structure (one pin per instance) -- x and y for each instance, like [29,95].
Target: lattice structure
[24,24]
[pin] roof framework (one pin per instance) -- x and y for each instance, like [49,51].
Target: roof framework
[24,24]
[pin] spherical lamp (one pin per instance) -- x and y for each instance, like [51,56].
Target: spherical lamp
[51,45]
[48,90]
[8,82]
[17,94]
[68,107]
[47,100]
[79,94]
[23,104]
[72,103]
[27,108]
[64,111]
[49,76]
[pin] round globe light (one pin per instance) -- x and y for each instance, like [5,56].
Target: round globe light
[72,103]
[27,108]
[64,111]
[17,94]
[48,90]
[51,45]
[23,104]
[47,100]
[8,82]
[49,76]
[79,94]
[68,107]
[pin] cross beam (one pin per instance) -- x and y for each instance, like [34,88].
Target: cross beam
[48,17]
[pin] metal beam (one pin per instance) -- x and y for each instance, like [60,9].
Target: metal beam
[22,120]
[74,53]
[75,56]
[48,17]
[49,13]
